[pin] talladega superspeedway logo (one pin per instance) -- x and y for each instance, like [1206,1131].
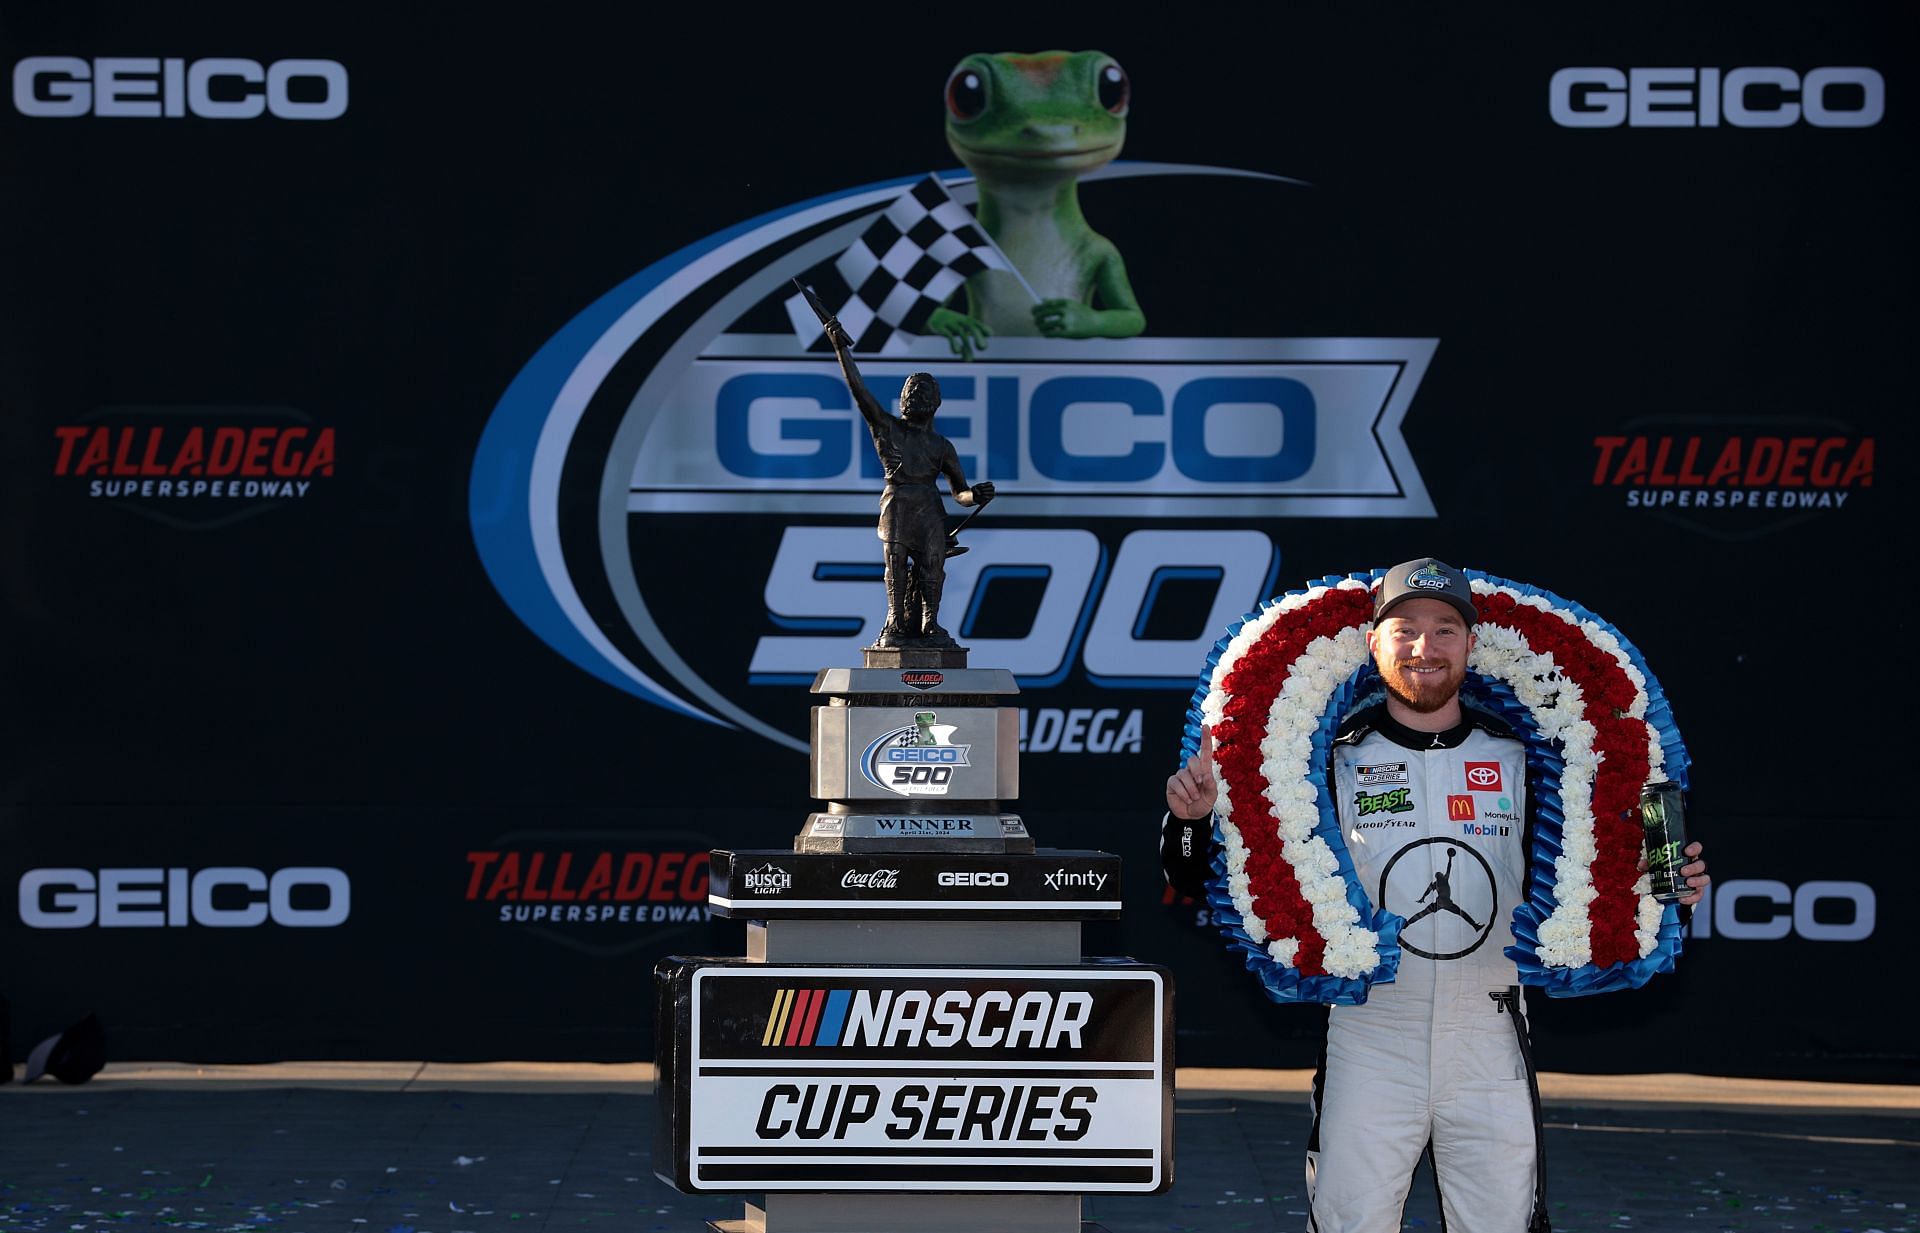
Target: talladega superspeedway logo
[679,407]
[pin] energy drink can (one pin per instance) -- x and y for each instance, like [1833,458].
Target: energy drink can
[1664,820]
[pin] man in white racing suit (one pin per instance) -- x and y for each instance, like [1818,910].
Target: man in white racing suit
[1431,798]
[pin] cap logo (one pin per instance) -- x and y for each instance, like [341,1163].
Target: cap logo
[1428,578]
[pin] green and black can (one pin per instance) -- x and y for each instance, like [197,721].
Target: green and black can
[1663,818]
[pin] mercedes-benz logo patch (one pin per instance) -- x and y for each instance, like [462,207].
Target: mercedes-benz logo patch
[1448,903]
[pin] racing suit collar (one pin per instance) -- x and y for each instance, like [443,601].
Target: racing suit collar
[1412,738]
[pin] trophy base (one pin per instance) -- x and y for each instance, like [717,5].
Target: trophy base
[993,833]
[914,657]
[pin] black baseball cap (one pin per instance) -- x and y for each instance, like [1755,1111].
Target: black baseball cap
[1425,578]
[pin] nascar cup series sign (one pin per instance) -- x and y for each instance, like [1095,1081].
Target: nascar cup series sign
[956,1079]
[684,392]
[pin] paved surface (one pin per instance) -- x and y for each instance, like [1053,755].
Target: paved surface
[409,1148]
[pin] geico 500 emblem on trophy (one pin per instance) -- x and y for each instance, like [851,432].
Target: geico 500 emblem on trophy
[913,1013]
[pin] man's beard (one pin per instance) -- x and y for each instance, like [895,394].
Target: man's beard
[1423,693]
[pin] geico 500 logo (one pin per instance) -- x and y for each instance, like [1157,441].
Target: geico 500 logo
[147,87]
[1762,910]
[223,897]
[728,419]
[1709,97]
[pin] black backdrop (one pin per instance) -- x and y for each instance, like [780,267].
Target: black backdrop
[332,678]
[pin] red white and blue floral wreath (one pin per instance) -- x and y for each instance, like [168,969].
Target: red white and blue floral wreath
[1597,729]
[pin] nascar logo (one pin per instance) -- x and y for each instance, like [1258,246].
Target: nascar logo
[909,1018]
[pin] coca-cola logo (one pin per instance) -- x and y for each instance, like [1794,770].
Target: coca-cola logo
[871,879]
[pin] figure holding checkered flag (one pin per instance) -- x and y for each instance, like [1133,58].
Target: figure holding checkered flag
[913,523]
[909,262]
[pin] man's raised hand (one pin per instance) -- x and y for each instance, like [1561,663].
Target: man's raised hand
[1191,790]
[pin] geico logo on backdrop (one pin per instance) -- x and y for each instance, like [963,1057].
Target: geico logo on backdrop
[146,87]
[1596,97]
[223,897]
[1760,910]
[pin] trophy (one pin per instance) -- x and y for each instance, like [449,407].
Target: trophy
[913,959]
[914,751]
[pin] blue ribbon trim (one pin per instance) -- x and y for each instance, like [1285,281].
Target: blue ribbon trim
[1284,983]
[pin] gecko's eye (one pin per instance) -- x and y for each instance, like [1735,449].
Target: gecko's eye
[966,94]
[1115,89]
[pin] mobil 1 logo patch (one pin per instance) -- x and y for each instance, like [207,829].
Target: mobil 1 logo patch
[838,1078]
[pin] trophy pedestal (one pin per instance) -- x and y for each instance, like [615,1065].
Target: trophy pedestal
[913,1015]
[914,657]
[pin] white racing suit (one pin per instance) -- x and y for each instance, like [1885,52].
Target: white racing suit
[1437,1059]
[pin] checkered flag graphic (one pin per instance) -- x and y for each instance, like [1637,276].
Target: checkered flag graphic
[905,265]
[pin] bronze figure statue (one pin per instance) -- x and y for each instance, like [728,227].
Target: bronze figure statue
[912,519]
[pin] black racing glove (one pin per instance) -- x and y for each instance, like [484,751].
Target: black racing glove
[1186,853]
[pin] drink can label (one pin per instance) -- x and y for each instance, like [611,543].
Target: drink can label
[1663,817]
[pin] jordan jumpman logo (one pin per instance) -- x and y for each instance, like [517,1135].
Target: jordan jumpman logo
[1441,888]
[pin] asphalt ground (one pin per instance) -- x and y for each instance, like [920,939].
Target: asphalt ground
[511,1148]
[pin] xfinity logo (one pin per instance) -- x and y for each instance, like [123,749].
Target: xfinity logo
[224,897]
[1062,879]
[145,87]
[1711,97]
[969,877]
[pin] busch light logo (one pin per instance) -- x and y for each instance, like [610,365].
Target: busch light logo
[693,405]
[916,761]
[768,879]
